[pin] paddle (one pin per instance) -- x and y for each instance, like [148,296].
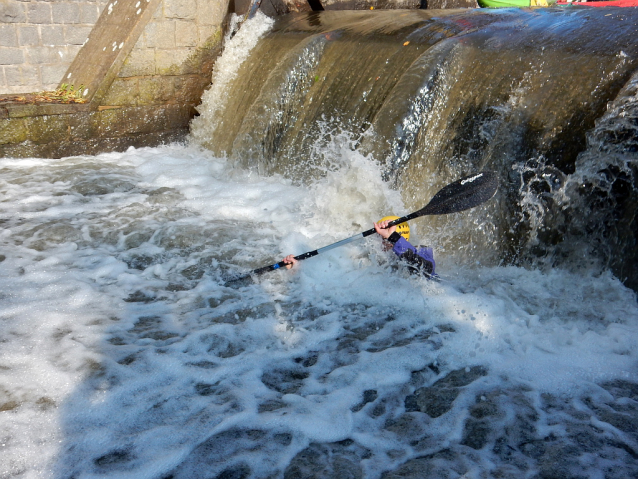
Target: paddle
[461,195]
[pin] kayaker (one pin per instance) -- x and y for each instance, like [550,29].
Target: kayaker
[419,260]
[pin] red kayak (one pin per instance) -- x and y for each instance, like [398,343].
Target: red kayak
[611,3]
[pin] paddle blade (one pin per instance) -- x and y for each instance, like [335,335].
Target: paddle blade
[463,194]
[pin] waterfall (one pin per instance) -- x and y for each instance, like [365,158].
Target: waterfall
[542,96]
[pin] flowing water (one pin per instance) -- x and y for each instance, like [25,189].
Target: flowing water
[124,354]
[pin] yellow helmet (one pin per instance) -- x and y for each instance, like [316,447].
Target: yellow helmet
[403,229]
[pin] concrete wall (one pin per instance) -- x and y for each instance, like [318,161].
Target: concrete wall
[40,39]
[143,70]
[172,59]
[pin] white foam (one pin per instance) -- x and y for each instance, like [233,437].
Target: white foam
[236,51]
[87,371]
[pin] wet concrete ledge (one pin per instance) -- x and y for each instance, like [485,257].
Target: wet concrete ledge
[146,112]
[56,130]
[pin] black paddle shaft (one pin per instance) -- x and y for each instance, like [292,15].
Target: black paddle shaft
[461,195]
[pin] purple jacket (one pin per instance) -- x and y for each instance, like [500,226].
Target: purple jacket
[418,260]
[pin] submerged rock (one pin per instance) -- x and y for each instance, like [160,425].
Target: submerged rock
[437,399]
[335,460]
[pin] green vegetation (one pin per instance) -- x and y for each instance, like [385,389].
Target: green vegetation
[64,94]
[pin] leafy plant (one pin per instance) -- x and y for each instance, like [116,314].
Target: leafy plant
[67,93]
[64,94]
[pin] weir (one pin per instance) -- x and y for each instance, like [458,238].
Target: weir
[430,95]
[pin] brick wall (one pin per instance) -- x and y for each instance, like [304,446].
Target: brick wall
[143,68]
[39,40]
[178,28]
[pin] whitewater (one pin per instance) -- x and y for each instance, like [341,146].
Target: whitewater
[124,353]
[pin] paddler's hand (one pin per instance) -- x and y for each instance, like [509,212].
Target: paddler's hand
[383,230]
[290,261]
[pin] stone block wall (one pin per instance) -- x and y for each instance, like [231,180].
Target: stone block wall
[143,70]
[39,40]
[177,29]
[168,60]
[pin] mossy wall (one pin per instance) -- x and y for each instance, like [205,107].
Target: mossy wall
[142,72]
